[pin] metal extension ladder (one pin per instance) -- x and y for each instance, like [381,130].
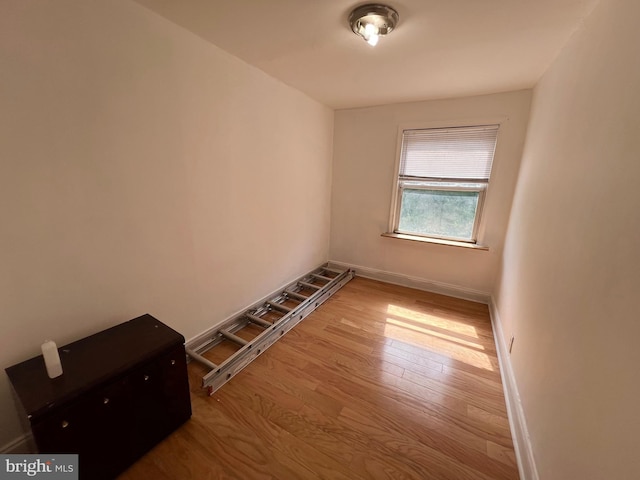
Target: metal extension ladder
[275,317]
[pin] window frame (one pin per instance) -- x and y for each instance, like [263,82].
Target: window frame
[479,225]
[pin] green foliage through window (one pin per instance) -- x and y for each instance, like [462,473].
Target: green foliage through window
[439,213]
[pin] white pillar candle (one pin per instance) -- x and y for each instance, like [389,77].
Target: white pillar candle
[51,359]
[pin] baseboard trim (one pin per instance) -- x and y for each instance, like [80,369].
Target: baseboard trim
[22,444]
[416,282]
[517,421]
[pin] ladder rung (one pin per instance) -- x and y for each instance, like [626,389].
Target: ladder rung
[321,277]
[279,306]
[332,270]
[309,285]
[201,359]
[233,338]
[295,295]
[258,320]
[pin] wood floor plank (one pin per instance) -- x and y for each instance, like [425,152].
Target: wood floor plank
[359,380]
[442,448]
[381,382]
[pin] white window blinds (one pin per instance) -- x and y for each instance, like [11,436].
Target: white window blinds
[457,153]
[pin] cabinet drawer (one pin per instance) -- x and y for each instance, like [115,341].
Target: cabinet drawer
[63,430]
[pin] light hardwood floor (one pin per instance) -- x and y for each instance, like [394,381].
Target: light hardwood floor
[381,382]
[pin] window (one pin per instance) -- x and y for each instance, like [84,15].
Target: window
[442,179]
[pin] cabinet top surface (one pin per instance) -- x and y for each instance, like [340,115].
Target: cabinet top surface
[89,362]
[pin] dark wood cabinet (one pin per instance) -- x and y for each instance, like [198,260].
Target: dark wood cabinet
[122,391]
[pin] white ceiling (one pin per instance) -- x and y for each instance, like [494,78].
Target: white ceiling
[440,49]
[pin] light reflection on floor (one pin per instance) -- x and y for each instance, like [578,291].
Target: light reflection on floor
[433,320]
[452,338]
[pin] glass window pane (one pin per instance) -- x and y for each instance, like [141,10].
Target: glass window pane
[438,212]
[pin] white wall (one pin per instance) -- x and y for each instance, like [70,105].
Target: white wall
[571,272]
[144,170]
[365,141]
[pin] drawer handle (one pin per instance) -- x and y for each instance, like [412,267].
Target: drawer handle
[105,400]
[65,424]
[173,362]
[146,378]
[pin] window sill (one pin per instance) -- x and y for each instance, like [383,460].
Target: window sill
[437,241]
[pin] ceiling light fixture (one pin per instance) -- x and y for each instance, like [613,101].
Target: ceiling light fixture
[372,21]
